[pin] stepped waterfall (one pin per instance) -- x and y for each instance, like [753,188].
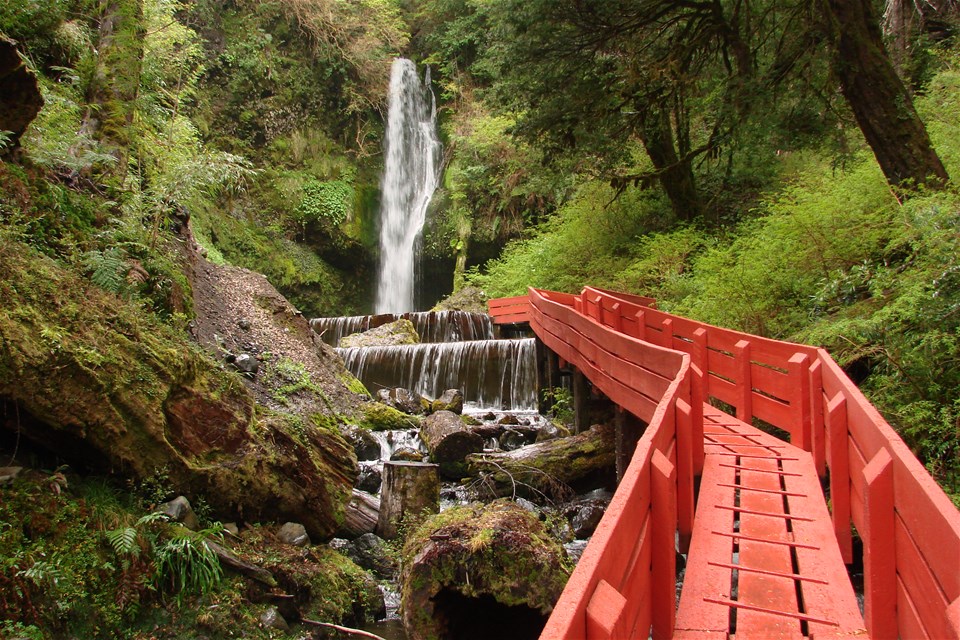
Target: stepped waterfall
[411,171]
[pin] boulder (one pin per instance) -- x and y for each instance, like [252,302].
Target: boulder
[480,571]
[403,400]
[20,98]
[179,510]
[271,619]
[449,442]
[372,553]
[365,444]
[449,400]
[555,468]
[398,332]
[586,519]
[407,454]
[369,480]
[294,533]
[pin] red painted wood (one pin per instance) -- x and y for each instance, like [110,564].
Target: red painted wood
[953,620]
[817,419]
[836,420]
[919,581]
[879,554]
[663,487]
[605,612]
[799,367]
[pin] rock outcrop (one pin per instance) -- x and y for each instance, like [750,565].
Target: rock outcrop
[20,98]
[398,332]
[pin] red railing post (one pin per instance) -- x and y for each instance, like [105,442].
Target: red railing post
[617,324]
[666,336]
[816,417]
[698,394]
[741,353]
[685,446]
[663,496]
[840,474]
[641,324]
[879,549]
[605,613]
[799,368]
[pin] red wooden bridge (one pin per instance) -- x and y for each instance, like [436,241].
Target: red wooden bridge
[767,553]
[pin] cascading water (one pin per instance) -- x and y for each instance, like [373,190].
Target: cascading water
[431,326]
[492,374]
[411,170]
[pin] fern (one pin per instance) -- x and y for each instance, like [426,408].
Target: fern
[108,269]
[124,541]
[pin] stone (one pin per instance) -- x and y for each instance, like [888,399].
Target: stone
[586,519]
[508,419]
[395,333]
[232,529]
[8,474]
[294,533]
[512,440]
[20,97]
[407,454]
[449,400]
[403,400]
[179,510]
[369,480]
[374,554]
[365,444]
[246,364]
[550,431]
[244,324]
[271,619]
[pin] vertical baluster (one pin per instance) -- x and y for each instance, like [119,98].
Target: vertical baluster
[663,495]
[879,550]
[840,474]
[741,353]
[801,435]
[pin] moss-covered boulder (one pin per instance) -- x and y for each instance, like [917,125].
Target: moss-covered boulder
[480,571]
[398,332]
[377,416]
[20,99]
[107,386]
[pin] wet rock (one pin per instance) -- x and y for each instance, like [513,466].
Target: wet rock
[487,431]
[20,98]
[372,553]
[529,506]
[407,454]
[489,415]
[494,558]
[403,400]
[586,519]
[512,440]
[364,443]
[469,420]
[394,333]
[550,431]
[449,400]
[271,619]
[369,480]
[293,533]
[508,419]
[179,510]
[449,442]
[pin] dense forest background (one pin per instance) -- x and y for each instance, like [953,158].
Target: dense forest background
[781,167]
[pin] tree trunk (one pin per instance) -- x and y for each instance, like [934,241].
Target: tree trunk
[878,98]
[360,516]
[449,441]
[408,488]
[675,173]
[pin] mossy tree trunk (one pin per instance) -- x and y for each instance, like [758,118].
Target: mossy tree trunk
[880,101]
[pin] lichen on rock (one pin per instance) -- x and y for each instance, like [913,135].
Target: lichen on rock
[398,332]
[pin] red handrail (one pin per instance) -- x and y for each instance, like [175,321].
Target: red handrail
[911,530]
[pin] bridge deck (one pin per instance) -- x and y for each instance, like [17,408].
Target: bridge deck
[764,561]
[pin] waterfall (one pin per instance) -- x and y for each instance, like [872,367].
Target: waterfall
[410,174]
[431,326]
[492,374]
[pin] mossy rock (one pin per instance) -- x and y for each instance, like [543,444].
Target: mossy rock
[377,416]
[497,556]
[396,333]
[103,384]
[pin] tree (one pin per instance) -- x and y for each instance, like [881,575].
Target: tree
[878,98]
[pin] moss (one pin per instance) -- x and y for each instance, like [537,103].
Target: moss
[499,550]
[352,383]
[377,416]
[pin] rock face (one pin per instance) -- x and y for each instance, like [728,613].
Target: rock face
[480,571]
[97,381]
[554,468]
[394,333]
[20,99]
[449,441]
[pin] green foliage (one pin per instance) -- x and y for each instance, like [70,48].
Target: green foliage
[108,269]
[327,203]
[187,566]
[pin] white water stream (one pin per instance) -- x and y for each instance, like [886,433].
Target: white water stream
[411,171]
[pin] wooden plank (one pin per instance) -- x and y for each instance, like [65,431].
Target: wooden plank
[605,613]
[721,364]
[663,487]
[772,382]
[776,413]
[879,551]
[908,618]
[836,420]
[919,581]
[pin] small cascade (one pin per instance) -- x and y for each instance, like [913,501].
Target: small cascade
[412,159]
[495,374]
[432,326]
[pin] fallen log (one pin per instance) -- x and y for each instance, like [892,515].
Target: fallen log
[554,469]
[449,442]
[360,515]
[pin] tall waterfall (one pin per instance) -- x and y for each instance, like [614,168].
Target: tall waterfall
[411,171]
